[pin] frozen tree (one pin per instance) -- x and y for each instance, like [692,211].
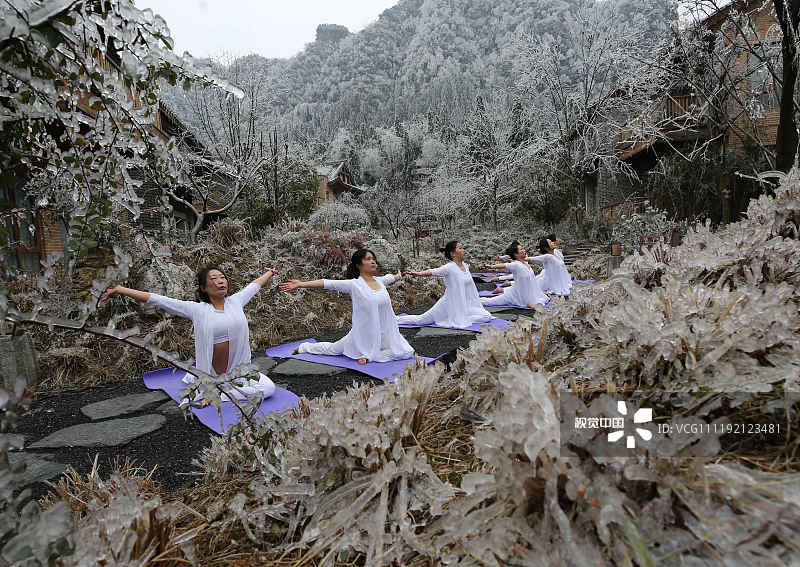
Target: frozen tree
[67,109]
[586,90]
[737,68]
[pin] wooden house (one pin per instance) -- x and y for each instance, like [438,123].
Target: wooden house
[611,197]
[44,232]
[334,180]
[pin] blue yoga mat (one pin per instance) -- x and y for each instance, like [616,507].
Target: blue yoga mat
[171,381]
[386,371]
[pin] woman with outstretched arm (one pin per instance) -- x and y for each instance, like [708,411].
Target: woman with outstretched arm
[460,306]
[555,277]
[221,332]
[375,336]
[525,291]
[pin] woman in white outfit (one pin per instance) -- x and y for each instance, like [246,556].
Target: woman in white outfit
[526,290]
[555,277]
[375,336]
[460,306]
[221,333]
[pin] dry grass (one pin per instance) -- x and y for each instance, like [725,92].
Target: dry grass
[77,490]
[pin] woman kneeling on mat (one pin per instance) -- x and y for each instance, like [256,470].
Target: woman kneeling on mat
[460,306]
[555,277]
[375,336]
[221,334]
[526,290]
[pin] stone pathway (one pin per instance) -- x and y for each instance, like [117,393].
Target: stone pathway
[73,428]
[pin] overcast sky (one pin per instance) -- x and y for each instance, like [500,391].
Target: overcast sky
[272,28]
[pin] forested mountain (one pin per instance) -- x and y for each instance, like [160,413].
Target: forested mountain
[420,56]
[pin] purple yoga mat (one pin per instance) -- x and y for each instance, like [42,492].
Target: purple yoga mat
[488,279]
[496,322]
[487,294]
[381,370]
[487,274]
[172,383]
[582,281]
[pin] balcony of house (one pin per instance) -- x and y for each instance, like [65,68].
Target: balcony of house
[678,117]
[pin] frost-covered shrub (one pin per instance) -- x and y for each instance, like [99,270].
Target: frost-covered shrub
[334,248]
[634,230]
[387,255]
[228,233]
[345,474]
[29,536]
[339,216]
[543,495]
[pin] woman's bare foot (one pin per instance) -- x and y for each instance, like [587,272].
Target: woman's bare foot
[497,290]
[203,403]
[296,350]
[532,305]
[362,360]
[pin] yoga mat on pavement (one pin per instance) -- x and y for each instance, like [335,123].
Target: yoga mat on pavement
[487,294]
[172,383]
[380,370]
[488,279]
[495,322]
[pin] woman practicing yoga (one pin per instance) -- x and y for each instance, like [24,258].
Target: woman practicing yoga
[555,277]
[221,334]
[525,291]
[460,306]
[375,336]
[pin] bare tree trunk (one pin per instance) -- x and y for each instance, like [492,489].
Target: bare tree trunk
[788,14]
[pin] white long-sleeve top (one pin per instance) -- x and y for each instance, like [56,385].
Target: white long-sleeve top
[375,334]
[555,276]
[460,306]
[525,290]
[202,314]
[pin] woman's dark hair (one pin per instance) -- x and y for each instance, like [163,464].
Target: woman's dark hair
[202,276]
[544,247]
[512,250]
[356,260]
[449,248]
[551,237]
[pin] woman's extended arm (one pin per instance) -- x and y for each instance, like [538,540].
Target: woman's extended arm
[141,296]
[495,266]
[247,292]
[439,272]
[541,259]
[175,306]
[292,285]
[265,277]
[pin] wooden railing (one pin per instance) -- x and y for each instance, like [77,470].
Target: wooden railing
[633,204]
[679,105]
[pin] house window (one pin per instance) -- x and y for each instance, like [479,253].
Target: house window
[763,85]
[18,237]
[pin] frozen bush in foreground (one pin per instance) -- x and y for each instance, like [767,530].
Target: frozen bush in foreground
[348,475]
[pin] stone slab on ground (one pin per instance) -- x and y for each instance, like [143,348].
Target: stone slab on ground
[102,433]
[38,468]
[498,309]
[122,405]
[264,363]
[16,442]
[169,408]
[427,332]
[507,316]
[295,367]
